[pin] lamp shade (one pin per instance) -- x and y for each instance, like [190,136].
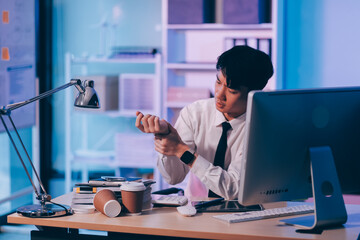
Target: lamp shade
[88,98]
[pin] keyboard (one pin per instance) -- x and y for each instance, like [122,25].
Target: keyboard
[169,200]
[264,214]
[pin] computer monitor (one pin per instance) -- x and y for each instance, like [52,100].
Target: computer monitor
[301,143]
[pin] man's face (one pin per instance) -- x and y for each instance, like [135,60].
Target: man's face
[231,102]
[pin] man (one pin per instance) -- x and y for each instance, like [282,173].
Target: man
[194,143]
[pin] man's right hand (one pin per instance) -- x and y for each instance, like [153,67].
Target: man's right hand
[151,124]
[167,139]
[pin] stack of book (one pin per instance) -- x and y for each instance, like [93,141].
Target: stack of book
[147,203]
[82,199]
[83,193]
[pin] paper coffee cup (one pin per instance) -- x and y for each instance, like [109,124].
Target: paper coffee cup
[105,201]
[132,195]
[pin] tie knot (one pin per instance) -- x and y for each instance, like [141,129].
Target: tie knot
[226,126]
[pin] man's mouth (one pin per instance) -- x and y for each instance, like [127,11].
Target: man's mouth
[220,104]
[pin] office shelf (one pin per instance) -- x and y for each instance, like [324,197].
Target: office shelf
[85,156]
[190,52]
[136,59]
[218,26]
[191,66]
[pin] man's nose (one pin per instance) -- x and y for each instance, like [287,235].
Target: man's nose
[221,92]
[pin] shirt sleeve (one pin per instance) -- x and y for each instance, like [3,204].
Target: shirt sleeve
[225,183]
[172,169]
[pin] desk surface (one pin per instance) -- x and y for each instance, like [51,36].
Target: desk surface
[167,222]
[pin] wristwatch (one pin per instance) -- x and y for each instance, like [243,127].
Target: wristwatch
[187,157]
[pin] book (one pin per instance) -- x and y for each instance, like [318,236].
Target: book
[84,189]
[100,182]
[82,201]
[133,52]
[84,198]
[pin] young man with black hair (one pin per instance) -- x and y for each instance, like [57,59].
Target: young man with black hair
[192,145]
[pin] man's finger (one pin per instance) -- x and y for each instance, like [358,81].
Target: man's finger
[156,124]
[145,123]
[151,123]
[138,121]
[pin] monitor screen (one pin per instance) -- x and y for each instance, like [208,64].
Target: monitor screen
[282,126]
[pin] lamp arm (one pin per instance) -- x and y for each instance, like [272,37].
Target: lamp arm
[10,107]
[18,153]
[6,110]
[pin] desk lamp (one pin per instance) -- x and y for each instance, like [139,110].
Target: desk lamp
[87,98]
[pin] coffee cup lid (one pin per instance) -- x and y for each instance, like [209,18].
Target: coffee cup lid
[132,186]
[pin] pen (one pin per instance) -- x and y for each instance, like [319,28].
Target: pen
[209,203]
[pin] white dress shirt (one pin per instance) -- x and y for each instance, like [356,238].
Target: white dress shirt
[199,126]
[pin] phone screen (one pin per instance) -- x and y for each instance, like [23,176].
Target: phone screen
[228,206]
[112,178]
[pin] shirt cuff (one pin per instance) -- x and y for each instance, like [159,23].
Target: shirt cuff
[200,167]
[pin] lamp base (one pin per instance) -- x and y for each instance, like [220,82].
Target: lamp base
[44,211]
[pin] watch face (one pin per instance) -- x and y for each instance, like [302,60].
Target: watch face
[187,157]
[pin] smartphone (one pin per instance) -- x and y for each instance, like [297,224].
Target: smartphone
[227,206]
[113,179]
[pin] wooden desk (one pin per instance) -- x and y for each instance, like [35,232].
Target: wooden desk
[166,223]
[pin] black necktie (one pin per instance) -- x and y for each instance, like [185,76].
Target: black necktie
[220,151]
[221,148]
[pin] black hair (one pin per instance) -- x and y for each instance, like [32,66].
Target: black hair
[245,66]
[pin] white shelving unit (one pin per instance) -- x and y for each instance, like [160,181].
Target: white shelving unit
[107,158]
[190,52]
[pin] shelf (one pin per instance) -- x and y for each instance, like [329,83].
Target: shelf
[127,113]
[107,159]
[110,113]
[117,60]
[219,26]
[192,66]
[177,104]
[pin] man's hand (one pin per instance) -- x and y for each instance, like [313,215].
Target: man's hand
[151,124]
[167,139]
[170,144]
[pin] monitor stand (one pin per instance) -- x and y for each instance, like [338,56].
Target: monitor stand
[329,207]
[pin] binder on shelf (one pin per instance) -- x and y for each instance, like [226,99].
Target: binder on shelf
[191,11]
[231,42]
[240,41]
[252,42]
[246,11]
[262,44]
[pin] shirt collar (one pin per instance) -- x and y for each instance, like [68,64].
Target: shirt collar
[220,118]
